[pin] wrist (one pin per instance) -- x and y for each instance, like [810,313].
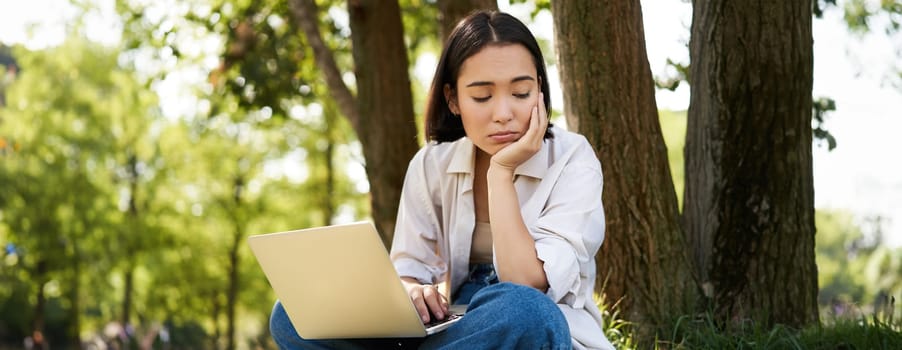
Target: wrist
[498,172]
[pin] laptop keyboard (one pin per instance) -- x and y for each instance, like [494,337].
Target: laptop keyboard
[451,317]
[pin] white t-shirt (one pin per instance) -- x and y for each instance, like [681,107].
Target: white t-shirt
[559,191]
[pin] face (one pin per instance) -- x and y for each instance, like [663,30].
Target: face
[495,94]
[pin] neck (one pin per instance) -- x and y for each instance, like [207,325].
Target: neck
[483,160]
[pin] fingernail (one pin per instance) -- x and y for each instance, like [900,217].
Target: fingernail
[425,318]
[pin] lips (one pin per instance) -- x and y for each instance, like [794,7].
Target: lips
[504,136]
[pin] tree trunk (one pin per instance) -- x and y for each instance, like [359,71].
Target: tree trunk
[127,294]
[452,11]
[387,128]
[749,208]
[329,200]
[382,112]
[130,245]
[238,221]
[37,324]
[234,283]
[216,311]
[609,98]
[73,333]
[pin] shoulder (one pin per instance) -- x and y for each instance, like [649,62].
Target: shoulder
[435,154]
[435,159]
[573,148]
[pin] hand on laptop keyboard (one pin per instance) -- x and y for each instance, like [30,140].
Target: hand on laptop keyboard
[435,322]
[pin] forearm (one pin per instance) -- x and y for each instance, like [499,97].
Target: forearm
[515,250]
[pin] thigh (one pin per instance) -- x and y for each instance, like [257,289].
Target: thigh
[506,316]
[286,337]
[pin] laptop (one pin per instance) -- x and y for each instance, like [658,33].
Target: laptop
[338,282]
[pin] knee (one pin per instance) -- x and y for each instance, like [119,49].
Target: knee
[280,326]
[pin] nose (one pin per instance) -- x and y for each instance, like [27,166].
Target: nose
[503,111]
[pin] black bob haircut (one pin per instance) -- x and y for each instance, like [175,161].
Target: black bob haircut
[475,32]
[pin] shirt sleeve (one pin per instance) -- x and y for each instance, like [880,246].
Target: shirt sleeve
[414,251]
[570,230]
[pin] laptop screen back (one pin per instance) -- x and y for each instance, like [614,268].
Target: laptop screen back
[337,282]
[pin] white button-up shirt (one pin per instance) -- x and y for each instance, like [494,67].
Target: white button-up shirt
[559,190]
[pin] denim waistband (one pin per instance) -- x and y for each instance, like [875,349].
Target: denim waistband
[483,273]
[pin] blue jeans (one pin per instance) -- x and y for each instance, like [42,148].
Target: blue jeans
[499,316]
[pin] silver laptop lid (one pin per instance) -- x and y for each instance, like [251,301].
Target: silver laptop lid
[337,282]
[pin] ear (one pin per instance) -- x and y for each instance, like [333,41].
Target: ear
[451,97]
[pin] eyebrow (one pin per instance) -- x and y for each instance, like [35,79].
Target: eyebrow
[485,83]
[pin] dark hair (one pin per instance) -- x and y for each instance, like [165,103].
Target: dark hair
[472,34]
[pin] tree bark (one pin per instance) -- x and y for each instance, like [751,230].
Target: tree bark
[749,208]
[609,98]
[387,128]
[452,11]
[382,112]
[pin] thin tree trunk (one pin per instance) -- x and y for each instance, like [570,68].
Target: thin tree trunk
[609,98]
[234,262]
[384,102]
[37,324]
[234,282]
[127,293]
[73,333]
[749,208]
[452,11]
[130,249]
[217,326]
[304,13]
[329,200]
[382,112]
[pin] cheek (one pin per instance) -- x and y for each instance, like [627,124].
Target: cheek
[472,111]
[524,110]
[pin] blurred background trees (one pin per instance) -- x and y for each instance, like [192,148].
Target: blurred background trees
[131,174]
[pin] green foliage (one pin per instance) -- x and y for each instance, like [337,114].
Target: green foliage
[841,256]
[673,82]
[881,330]
[616,329]
[820,108]
[92,172]
[98,185]
[845,334]
[69,117]
[863,17]
[857,273]
[860,15]
[853,334]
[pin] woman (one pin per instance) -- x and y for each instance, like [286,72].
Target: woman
[498,206]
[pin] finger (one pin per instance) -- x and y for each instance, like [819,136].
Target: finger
[534,134]
[543,121]
[434,300]
[444,303]
[420,305]
[543,111]
[533,124]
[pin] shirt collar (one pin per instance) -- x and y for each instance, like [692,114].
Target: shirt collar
[462,160]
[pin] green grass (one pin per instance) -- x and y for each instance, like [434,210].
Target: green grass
[878,332]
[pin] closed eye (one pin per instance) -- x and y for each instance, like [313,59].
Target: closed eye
[481,99]
[522,96]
